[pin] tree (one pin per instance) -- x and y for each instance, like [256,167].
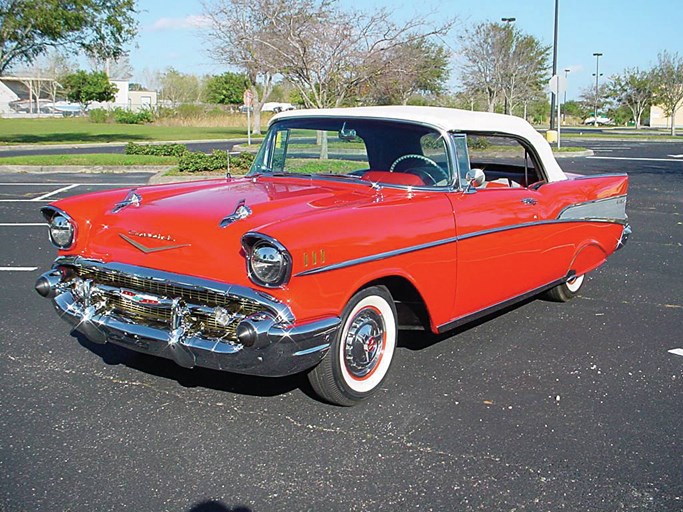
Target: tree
[668,83]
[416,67]
[327,54]
[235,35]
[633,89]
[499,60]
[116,69]
[177,87]
[84,88]
[226,89]
[28,28]
[595,103]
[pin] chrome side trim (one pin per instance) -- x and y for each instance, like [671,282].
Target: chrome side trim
[457,322]
[609,209]
[446,241]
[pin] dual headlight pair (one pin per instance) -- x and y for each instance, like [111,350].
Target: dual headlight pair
[268,262]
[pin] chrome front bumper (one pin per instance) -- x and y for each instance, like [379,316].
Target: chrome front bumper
[267,343]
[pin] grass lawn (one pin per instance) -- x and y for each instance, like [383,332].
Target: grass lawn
[90,160]
[75,130]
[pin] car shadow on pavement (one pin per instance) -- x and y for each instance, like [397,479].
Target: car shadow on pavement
[421,339]
[197,377]
[217,506]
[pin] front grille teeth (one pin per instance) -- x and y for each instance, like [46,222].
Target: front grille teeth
[212,314]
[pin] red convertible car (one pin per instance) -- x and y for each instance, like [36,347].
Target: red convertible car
[351,223]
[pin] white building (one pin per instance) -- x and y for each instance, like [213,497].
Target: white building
[659,120]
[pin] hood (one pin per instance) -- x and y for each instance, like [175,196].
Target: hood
[178,228]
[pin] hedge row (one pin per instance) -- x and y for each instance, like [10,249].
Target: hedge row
[217,161]
[176,150]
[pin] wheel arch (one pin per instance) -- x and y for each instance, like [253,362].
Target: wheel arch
[411,308]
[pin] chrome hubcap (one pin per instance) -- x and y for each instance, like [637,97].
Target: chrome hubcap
[364,343]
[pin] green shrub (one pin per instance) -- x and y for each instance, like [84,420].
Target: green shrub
[98,115]
[478,143]
[197,161]
[189,110]
[176,150]
[123,116]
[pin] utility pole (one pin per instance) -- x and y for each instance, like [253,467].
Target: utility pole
[553,99]
[597,77]
[564,111]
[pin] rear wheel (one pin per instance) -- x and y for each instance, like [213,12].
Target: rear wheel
[360,356]
[565,291]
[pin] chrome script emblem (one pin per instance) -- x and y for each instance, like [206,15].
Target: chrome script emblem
[146,249]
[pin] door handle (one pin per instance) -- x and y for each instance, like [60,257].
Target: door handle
[529,200]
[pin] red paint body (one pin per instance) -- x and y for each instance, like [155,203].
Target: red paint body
[317,218]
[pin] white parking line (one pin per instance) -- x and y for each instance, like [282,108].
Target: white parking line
[18,269]
[21,224]
[630,158]
[676,351]
[55,192]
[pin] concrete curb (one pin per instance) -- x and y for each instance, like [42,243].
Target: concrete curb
[72,169]
[242,140]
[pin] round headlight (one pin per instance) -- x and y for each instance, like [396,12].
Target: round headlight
[61,232]
[267,264]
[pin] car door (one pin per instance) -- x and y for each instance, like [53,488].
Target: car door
[499,243]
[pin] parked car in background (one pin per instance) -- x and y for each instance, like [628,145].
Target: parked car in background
[602,120]
[350,224]
[272,106]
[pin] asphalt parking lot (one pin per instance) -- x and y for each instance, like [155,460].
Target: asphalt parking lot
[546,407]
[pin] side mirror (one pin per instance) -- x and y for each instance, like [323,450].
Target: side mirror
[474,178]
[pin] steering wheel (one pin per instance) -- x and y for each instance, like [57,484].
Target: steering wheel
[417,157]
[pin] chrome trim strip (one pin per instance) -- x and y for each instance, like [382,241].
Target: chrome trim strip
[312,350]
[452,324]
[445,241]
[231,290]
[607,208]
[604,175]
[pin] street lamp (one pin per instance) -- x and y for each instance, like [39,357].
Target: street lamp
[553,98]
[564,111]
[508,20]
[597,78]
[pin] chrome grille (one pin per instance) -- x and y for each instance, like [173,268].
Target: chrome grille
[159,315]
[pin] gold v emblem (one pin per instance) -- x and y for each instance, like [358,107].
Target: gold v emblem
[146,249]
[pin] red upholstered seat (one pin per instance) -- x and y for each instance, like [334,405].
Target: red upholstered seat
[395,178]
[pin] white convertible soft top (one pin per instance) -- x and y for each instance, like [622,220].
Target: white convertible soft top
[448,119]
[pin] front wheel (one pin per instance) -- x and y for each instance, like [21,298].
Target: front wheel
[565,291]
[360,356]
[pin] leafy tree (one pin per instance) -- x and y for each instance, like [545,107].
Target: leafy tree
[177,87]
[84,88]
[592,101]
[416,67]
[634,90]
[226,89]
[500,60]
[28,28]
[327,53]
[668,78]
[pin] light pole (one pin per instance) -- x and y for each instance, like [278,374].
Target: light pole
[597,77]
[553,99]
[507,22]
[564,111]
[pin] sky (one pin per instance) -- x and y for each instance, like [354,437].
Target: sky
[629,33]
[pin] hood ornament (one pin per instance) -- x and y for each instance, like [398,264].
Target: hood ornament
[242,211]
[132,198]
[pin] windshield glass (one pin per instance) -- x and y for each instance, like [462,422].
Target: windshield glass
[379,151]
